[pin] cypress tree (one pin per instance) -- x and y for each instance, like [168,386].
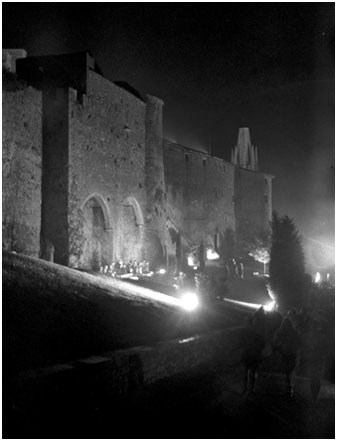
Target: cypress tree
[287,263]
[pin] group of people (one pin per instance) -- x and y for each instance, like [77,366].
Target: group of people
[295,342]
[118,268]
[234,268]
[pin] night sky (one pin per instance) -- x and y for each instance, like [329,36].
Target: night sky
[218,67]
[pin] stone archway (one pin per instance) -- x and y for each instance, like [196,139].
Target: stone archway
[98,248]
[132,227]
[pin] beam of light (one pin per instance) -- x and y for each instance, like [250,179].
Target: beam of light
[244,304]
[320,254]
[322,243]
[267,307]
[189,301]
[135,290]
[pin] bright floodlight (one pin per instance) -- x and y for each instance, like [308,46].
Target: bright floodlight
[191,261]
[212,255]
[189,301]
[270,306]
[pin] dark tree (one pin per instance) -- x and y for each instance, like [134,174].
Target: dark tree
[287,264]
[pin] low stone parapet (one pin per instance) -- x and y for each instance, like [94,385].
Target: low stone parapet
[121,372]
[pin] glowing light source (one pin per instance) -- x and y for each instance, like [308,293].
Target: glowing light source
[191,261]
[270,306]
[161,271]
[184,341]
[189,301]
[212,255]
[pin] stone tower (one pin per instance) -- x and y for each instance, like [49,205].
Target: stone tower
[154,179]
[245,155]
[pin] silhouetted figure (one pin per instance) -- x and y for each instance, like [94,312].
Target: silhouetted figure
[257,337]
[253,345]
[232,268]
[287,343]
[227,271]
[294,318]
[239,268]
[201,255]
[315,351]
[273,321]
[178,253]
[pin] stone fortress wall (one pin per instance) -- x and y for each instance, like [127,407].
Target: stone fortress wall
[21,167]
[89,179]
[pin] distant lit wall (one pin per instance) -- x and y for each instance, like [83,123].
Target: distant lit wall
[200,192]
[253,201]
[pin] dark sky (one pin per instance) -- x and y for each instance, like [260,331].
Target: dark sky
[217,66]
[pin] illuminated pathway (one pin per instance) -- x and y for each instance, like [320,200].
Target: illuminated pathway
[248,305]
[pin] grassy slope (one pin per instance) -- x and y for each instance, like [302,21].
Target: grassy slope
[54,314]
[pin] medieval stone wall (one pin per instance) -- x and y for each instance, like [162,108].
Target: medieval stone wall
[107,171]
[55,180]
[200,193]
[21,169]
[88,169]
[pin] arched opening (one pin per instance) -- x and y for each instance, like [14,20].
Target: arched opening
[132,238]
[98,248]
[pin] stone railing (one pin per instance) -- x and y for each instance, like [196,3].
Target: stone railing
[121,372]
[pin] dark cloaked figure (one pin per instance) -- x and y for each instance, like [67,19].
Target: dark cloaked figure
[287,343]
[232,267]
[257,338]
[201,255]
[253,346]
[315,349]
[239,268]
